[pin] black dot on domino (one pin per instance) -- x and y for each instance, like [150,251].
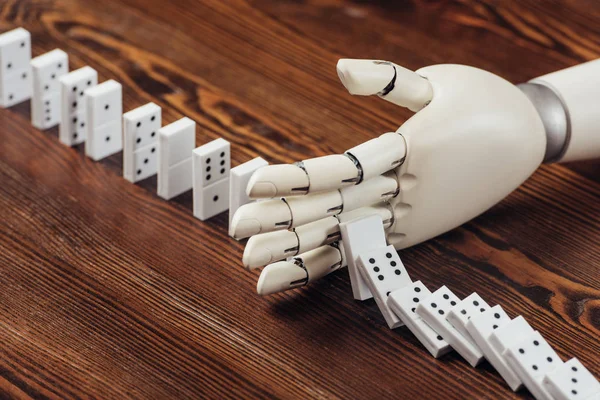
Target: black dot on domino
[153,149]
[439,337]
[48,119]
[393,263]
[74,120]
[222,155]
[46,87]
[536,343]
[416,299]
[535,367]
[153,118]
[222,162]
[497,316]
[376,269]
[138,140]
[574,391]
[74,104]
[397,272]
[481,309]
[453,303]
[59,65]
[441,312]
[413,309]
[138,124]
[74,88]
[89,83]
[388,255]
[380,277]
[53,76]
[145,161]
[433,305]
[82,124]
[208,169]
[521,351]
[475,303]
[22,44]
[153,134]
[24,76]
[417,289]
[208,160]
[372,260]
[222,170]
[549,359]
[463,312]
[388,293]
[108,138]
[81,94]
[495,327]
[208,177]
[10,96]
[446,297]
[139,171]
[106,107]
[574,380]
[9,66]
[75,135]
[574,369]
[216,198]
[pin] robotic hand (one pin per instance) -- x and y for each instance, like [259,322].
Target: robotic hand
[475,138]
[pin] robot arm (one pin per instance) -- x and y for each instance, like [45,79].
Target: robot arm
[474,139]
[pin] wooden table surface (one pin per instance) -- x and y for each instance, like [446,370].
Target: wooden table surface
[107,291]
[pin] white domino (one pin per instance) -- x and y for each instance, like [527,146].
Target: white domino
[176,144]
[72,128]
[361,235]
[571,381]
[481,327]
[403,302]
[211,166]
[469,307]
[104,109]
[15,67]
[383,272]
[47,70]
[434,311]
[238,181]
[140,142]
[531,359]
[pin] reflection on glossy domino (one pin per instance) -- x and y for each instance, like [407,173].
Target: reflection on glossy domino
[481,327]
[361,235]
[531,359]
[383,272]
[15,68]
[571,381]
[403,303]
[434,311]
[238,181]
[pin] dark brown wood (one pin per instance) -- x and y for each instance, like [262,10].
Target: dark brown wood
[107,291]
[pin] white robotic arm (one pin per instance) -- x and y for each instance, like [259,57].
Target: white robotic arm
[474,139]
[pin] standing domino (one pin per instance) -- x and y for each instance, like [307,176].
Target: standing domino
[404,302]
[176,143]
[15,67]
[45,102]
[212,163]
[383,272]
[459,315]
[238,181]
[358,236]
[481,327]
[140,129]
[72,128]
[434,311]
[571,381]
[104,104]
[531,359]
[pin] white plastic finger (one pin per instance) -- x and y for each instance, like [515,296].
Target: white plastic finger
[390,81]
[379,155]
[306,268]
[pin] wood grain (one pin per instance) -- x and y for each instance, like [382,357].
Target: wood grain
[107,291]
